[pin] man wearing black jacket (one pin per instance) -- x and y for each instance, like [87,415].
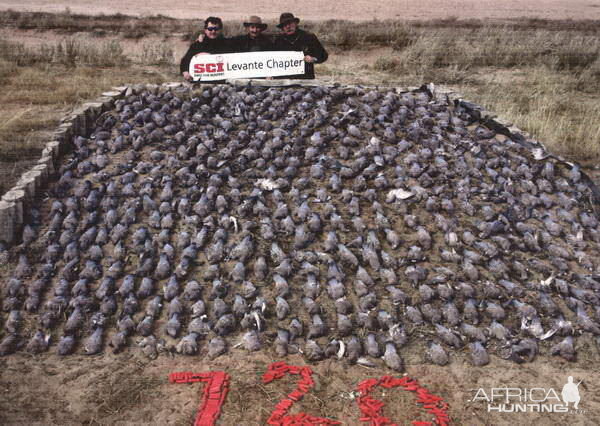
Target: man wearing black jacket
[254,40]
[293,38]
[212,42]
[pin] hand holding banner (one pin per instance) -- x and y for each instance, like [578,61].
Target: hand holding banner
[246,65]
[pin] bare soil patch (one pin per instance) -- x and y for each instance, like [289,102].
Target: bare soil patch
[127,389]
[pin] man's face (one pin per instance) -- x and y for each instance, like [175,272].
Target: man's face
[212,30]
[290,28]
[254,31]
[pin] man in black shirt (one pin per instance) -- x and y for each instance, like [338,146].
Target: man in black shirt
[212,42]
[254,40]
[293,38]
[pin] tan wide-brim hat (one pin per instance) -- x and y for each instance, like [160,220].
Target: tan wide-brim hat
[255,20]
[286,18]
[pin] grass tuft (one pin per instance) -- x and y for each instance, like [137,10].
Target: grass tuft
[157,54]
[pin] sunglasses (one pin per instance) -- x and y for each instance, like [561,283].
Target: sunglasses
[212,28]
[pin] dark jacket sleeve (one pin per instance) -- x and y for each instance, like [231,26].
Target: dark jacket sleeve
[225,45]
[316,49]
[238,44]
[196,47]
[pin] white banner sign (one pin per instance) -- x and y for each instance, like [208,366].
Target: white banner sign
[246,65]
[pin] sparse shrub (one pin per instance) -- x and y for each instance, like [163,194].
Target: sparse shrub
[346,40]
[98,32]
[385,63]
[67,52]
[110,55]
[134,31]
[402,36]
[17,53]
[341,34]
[157,54]
[71,52]
[450,75]
[589,78]
[6,70]
[576,57]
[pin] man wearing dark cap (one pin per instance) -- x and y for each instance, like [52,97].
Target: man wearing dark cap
[212,42]
[254,40]
[293,38]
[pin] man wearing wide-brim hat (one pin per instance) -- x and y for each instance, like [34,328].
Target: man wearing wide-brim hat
[254,40]
[293,38]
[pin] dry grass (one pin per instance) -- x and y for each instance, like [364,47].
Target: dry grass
[546,81]
[542,75]
[567,121]
[67,22]
[41,85]
[69,52]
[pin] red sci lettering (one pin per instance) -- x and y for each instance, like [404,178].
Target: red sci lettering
[220,67]
[199,68]
[210,68]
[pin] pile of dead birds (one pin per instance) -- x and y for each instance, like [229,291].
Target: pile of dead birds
[336,222]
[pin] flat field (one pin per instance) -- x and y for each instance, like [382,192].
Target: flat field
[353,10]
[535,63]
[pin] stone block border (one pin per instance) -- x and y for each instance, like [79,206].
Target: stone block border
[15,203]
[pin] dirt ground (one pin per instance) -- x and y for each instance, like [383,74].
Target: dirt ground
[129,389]
[355,10]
